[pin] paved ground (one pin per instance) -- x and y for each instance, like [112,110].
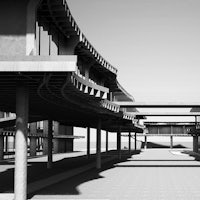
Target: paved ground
[65,165]
[154,174]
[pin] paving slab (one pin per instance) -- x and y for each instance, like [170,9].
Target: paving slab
[66,165]
[158,174]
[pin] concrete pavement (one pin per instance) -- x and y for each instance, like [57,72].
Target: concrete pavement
[158,174]
[66,165]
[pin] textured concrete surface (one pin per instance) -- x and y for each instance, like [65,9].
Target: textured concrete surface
[156,174]
[65,166]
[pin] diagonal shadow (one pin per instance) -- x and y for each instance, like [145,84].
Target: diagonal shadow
[70,186]
[135,166]
[38,170]
[151,145]
[163,160]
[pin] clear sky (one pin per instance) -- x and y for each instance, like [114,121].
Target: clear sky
[154,44]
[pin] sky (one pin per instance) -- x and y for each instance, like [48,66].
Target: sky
[154,44]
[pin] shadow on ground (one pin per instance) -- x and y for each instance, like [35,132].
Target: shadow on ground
[38,170]
[196,156]
[70,186]
[156,145]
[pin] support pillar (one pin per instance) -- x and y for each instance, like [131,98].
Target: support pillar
[50,144]
[20,181]
[45,138]
[129,142]
[195,143]
[119,143]
[88,142]
[6,144]
[33,139]
[38,143]
[1,147]
[56,141]
[135,141]
[145,142]
[106,141]
[184,130]
[98,148]
[171,141]
[171,138]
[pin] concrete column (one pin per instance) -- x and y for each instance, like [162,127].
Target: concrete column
[38,143]
[195,143]
[129,142]
[69,143]
[56,141]
[171,138]
[50,144]
[106,141]
[20,181]
[63,145]
[88,142]
[45,138]
[33,130]
[1,147]
[6,144]
[135,141]
[13,143]
[171,130]
[98,148]
[184,130]
[145,142]
[1,114]
[119,143]
[171,141]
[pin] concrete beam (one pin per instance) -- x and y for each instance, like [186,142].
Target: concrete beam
[166,113]
[125,104]
[38,63]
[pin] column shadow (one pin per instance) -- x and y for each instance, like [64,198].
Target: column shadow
[38,170]
[71,186]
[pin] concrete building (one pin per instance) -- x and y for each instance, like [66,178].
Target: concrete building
[50,72]
[167,129]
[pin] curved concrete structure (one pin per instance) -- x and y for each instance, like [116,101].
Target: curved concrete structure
[50,71]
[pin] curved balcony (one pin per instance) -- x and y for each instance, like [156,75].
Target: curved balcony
[89,88]
[59,13]
[110,106]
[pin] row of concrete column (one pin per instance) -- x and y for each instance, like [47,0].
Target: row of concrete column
[35,145]
[38,143]
[4,145]
[20,182]
[145,141]
[195,142]
[98,144]
[167,129]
